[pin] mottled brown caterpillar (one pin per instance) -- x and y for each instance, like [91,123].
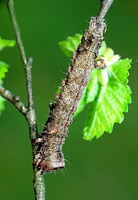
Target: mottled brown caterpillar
[51,140]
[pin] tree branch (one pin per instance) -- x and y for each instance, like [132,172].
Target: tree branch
[27,64]
[15,100]
[39,185]
[105,5]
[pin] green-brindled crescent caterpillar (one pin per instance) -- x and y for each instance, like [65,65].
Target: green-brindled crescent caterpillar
[50,142]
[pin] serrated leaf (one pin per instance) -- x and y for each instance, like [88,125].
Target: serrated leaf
[70,44]
[89,93]
[3,69]
[108,108]
[120,70]
[108,96]
[6,43]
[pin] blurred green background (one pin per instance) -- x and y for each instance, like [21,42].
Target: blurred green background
[106,168]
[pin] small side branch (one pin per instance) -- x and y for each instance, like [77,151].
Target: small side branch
[27,63]
[39,185]
[15,100]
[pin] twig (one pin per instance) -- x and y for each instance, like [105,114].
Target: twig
[105,5]
[15,100]
[27,64]
[39,185]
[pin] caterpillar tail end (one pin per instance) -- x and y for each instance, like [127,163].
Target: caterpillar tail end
[50,166]
[50,157]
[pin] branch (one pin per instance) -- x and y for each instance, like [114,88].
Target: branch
[39,185]
[105,5]
[30,115]
[27,64]
[15,100]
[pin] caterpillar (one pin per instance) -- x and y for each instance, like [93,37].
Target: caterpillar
[49,155]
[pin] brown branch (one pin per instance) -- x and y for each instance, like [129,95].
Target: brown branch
[26,63]
[15,100]
[105,5]
[39,186]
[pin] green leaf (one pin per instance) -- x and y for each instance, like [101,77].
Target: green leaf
[89,93]
[107,109]
[103,76]
[107,94]
[102,49]
[6,43]
[119,70]
[70,44]
[2,100]
[3,69]
[58,90]
[108,53]
[2,107]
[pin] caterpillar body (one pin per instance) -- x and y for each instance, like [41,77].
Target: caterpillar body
[51,140]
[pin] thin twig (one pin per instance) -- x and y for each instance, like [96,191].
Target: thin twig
[39,184]
[27,65]
[15,100]
[105,5]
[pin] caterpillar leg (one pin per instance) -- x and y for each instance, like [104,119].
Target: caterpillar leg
[39,140]
[37,159]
